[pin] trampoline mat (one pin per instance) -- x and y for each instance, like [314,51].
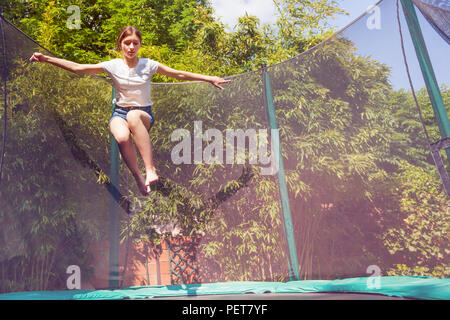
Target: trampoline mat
[366,288]
[290,296]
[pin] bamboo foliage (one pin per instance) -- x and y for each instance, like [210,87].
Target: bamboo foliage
[362,186]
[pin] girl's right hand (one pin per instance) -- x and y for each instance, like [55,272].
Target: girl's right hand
[38,57]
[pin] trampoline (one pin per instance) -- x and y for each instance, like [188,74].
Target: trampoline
[322,177]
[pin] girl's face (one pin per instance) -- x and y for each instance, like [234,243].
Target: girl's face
[130,46]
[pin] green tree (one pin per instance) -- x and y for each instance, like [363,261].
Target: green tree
[303,23]
[49,224]
[419,241]
[362,187]
[173,29]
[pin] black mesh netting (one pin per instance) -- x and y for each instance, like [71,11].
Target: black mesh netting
[362,187]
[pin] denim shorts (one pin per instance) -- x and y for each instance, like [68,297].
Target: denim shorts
[118,112]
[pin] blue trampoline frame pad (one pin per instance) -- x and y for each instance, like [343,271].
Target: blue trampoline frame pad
[411,287]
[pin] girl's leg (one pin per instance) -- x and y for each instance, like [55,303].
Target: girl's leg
[120,130]
[139,123]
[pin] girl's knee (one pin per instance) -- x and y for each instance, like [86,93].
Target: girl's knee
[121,139]
[121,135]
[119,129]
[135,119]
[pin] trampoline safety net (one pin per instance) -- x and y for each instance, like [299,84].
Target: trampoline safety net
[316,168]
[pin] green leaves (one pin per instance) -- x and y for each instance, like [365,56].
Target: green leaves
[425,224]
[55,191]
[182,34]
[302,23]
[362,186]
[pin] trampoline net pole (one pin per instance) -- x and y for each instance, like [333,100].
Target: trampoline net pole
[285,207]
[114,212]
[427,70]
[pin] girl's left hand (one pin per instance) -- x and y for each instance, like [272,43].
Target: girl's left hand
[217,81]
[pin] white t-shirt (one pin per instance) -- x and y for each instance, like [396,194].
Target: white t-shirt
[132,85]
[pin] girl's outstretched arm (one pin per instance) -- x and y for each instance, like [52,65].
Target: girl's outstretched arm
[67,65]
[183,75]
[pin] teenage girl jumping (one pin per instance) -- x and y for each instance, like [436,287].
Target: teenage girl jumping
[132,116]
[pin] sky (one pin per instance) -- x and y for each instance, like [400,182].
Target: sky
[379,44]
[228,11]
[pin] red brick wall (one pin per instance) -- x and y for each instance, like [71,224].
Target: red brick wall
[140,256]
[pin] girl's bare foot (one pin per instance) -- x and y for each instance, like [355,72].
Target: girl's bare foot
[152,177]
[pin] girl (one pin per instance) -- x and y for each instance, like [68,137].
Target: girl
[131,78]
